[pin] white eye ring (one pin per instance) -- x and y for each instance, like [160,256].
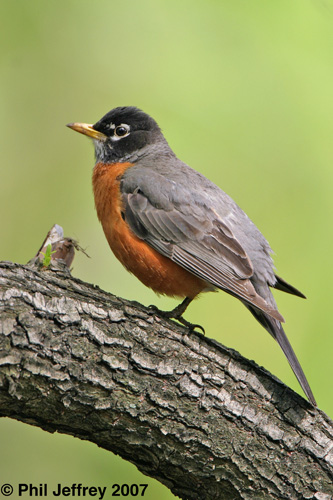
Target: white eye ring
[121,131]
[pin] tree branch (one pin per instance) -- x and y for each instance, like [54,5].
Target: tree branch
[185,410]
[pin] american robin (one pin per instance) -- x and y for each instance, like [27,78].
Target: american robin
[176,230]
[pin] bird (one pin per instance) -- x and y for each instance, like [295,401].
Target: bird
[177,231]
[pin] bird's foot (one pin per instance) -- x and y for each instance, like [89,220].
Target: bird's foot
[176,314]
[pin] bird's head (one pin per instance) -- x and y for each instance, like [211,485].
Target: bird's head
[121,133]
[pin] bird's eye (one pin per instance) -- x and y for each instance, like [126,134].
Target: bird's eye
[121,130]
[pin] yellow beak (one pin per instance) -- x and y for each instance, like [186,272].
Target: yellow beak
[86,129]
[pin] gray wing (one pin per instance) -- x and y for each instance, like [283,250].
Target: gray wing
[179,223]
[199,241]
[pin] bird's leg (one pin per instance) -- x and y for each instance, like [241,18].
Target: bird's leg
[177,313]
[180,309]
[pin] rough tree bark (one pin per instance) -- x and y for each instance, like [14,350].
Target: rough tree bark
[185,410]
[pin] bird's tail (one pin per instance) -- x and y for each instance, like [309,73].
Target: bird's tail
[274,327]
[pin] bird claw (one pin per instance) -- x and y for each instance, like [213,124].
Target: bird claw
[175,314]
[190,326]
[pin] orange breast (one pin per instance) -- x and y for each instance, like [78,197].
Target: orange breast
[149,266]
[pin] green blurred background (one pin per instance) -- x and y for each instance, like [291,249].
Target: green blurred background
[243,93]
